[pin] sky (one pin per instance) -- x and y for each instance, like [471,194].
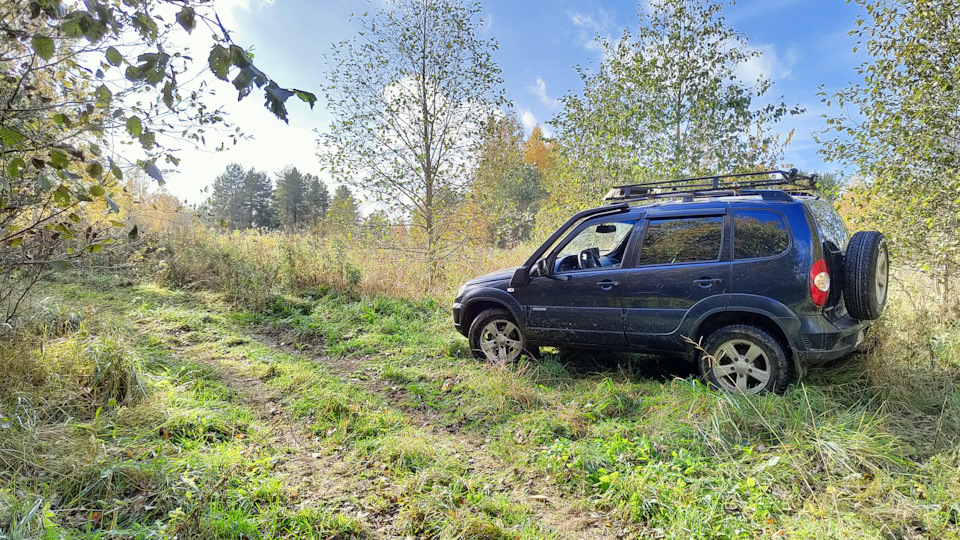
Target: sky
[805,44]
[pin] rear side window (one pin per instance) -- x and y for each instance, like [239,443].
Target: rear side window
[682,240]
[757,233]
[829,223]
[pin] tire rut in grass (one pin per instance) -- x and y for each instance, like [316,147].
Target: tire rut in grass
[316,478]
[551,506]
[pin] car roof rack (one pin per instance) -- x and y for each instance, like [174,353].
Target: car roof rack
[723,185]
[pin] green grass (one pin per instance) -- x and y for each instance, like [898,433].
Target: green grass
[418,439]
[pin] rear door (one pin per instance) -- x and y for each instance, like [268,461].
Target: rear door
[683,268]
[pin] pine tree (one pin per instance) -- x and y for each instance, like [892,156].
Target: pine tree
[226,199]
[256,207]
[344,216]
[289,199]
[317,199]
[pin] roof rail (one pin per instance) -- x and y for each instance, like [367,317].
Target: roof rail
[790,182]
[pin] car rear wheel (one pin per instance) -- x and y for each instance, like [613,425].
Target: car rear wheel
[494,336]
[743,359]
[866,267]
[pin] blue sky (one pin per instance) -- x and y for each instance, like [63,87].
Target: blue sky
[805,45]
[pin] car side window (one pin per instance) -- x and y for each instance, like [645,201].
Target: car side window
[758,233]
[682,240]
[598,245]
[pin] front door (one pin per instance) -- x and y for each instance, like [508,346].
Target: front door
[579,302]
[682,267]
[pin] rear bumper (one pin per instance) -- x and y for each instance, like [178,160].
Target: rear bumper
[820,341]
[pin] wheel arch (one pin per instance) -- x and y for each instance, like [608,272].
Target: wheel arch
[765,322]
[476,306]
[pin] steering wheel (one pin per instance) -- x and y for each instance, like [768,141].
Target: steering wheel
[589,259]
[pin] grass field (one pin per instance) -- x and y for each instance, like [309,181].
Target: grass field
[139,411]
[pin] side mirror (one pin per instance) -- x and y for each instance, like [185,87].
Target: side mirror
[521,278]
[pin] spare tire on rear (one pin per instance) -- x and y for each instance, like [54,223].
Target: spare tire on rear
[866,274]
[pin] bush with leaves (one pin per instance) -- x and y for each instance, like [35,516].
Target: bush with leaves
[76,79]
[900,127]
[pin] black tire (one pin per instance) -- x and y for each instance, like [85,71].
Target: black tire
[760,365]
[496,337]
[866,275]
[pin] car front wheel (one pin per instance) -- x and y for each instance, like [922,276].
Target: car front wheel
[494,336]
[744,359]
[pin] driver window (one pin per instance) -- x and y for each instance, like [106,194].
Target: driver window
[599,245]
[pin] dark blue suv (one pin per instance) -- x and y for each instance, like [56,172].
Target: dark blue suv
[754,284]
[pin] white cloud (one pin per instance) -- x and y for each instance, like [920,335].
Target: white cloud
[592,30]
[540,90]
[226,9]
[486,25]
[585,21]
[528,120]
[767,64]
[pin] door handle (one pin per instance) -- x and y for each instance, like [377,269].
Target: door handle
[706,282]
[607,285]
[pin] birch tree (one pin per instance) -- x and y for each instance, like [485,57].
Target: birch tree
[409,93]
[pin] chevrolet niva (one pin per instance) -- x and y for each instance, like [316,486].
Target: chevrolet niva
[750,276]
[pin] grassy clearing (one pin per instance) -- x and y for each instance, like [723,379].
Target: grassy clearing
[864,448]
[195,453]
[141,411]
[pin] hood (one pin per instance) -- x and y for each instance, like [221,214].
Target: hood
[499,275]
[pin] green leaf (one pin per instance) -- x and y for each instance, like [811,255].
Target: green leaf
[61,265]
[93,248]
[145,25]
[11,137]
[76,24]
[134,233]
[43,182]
[43,46]
[62,196]
[168,94]
[115,169]
[134,126]
[15,166]
[95,31]
[308,97]
[148,140]
[219,62]
[240,57]
[114,57]
[95,170]
[103,94]
[151,169]
[116,223]
[14,242]
[113,209]
[59,160]
[276,99]
[187,19]
[74,217]
[97,191]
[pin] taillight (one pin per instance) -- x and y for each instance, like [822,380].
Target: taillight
[819,283]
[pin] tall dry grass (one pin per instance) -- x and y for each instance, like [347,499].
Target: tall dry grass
[251,267]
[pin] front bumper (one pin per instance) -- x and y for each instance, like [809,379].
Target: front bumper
[458,318]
